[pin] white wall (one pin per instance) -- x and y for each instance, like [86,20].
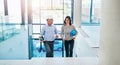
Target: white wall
[110,33]
[15,47]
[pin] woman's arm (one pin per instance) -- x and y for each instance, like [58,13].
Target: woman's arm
[76,32]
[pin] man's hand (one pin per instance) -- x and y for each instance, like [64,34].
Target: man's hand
[41,38]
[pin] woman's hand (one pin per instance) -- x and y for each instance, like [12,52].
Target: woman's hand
[56,36]
[63,38]
[74,37]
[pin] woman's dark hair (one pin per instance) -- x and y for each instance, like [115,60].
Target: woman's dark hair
[68,17]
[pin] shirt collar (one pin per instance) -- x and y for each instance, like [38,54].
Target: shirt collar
[49,26]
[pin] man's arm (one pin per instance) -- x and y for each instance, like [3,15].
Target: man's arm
[42,33]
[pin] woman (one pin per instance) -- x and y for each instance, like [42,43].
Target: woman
[66,37]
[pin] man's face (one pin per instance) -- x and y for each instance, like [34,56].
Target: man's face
[50,22]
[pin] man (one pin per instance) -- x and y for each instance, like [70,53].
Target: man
[49,33]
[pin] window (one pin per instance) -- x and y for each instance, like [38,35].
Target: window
[14,11]
[56,8]
[94,11]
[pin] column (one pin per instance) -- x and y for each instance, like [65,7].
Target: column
[77,12]
[6,18]
[5,7]
[110,33]
[23,12]
[30,41]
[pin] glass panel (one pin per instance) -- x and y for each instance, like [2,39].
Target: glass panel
[14,11]
[85,11]
[56,14]
[67,8]
[1,29]
[57,4]
[36,28]
[58,48]
[36,11]
[7,31]
[1,7]
[36,18]
[1,19]
[46,4]
[96,11]
[59,29]
[10,30]
[35,4]
[35,36]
